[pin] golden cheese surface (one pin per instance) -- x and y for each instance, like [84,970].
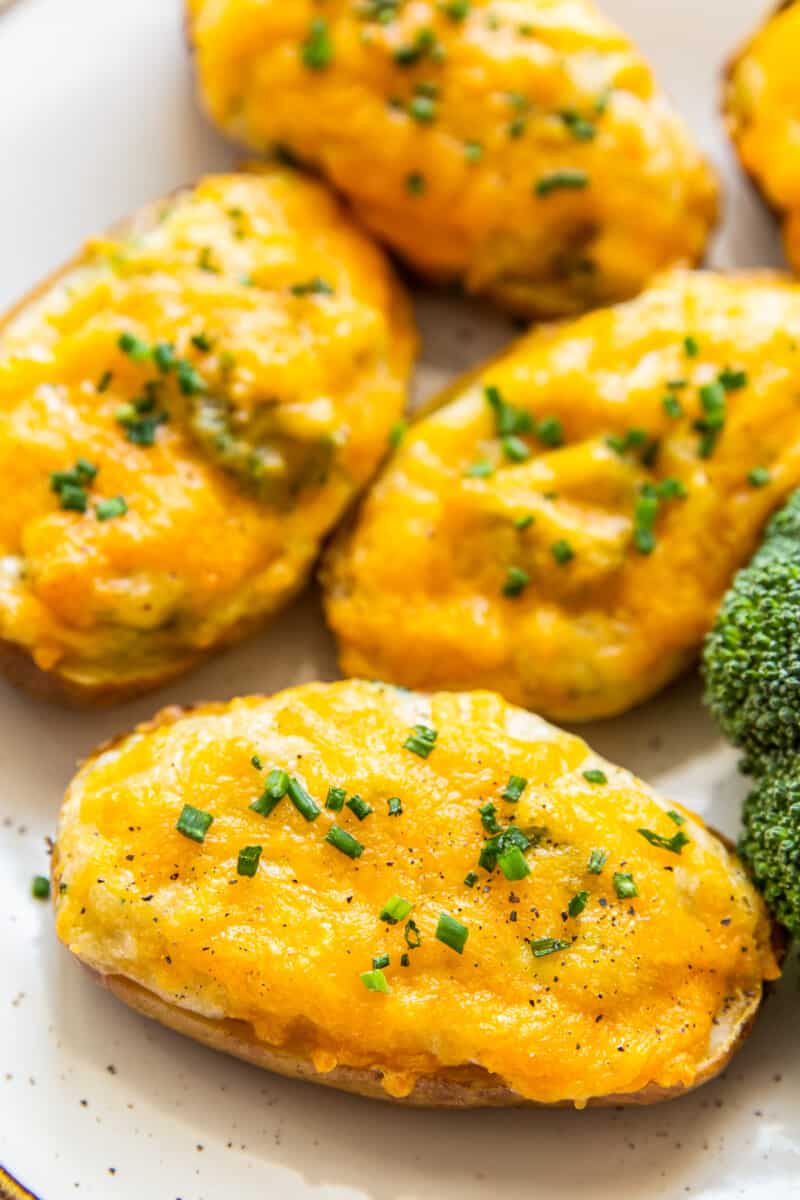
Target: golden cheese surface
[565,523]
[568,985]
[226,373]
[762,107]
[520,147]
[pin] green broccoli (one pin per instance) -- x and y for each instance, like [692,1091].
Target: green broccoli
[751,664]
[752,656]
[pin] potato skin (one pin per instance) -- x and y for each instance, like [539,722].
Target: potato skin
[178,934]
[761,107]
[273,308]
[525,153]
[609,608]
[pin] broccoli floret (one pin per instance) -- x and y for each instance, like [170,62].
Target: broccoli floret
[752,656]
[770,844]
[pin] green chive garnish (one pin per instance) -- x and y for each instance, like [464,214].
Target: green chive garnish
[300,798]
[473,152]
[672,406]
[359,807]
[374,981]
[164,356]
[452,933]
[194,823]
[344,842]
[470,879]
[276,786]
[732,381]
[691,346]
[397,433]
[395,806]
[104,381]
[509,420]
[202,342]
[421,740]
[676,817]
[597,860]
[624,886]
[516,582]
[759,477]
[595,776]
[415,183]
[555,181]
[317,49]
[541,947]
[581,129]
[675,844]
[312,287]
[411,934]
[513,864]
[479,470]
[550,432]
[577,904]
[422,109]
[115,506]
[524,522]
[562,551]
[381,961]
[256,762]
[395,909]
[514,788]
[335,799]
[515,449]
[247,863]
[488,813]
[134,347]
[40,887]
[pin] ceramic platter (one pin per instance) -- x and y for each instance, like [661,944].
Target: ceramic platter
[96,117]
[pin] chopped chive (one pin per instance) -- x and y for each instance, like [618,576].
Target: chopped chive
[624,886]
[540,947]
[257,763]
[335,798]
[515,449]
[422,109]
[595,776]
[471,878]
[562,551]
[473,152]
[517,127]
[550,431]
[359,807]
[456,10]
[381,961]
[395,806]
[691,346]
[114,506]
[672,406]
[415,183]
[202,342]
[276,786]
[194,823]
[247,863]
[189,381]
[104,382]
[317,50]
[513,864]
[134,347]
[732,381]
[676,817]
[759,477]
[344,842]
[395,909]
[567,179]
[164,356]
[452,933]
[479,470]
[674,844]
[397,433]
[632,439]
[671,489]
[644,519]
[577,904]
[597,860]
[405,961]
[312,287]
[712,398]
[374,981]
[509,420]
[305,805]
[40,887]
[72,498]
[581,129]
[488,813]
[525,522]
[205,261]
[421,740]
[412,935]
[514,788]
[516,581]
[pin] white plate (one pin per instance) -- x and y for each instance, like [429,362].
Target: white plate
[97,116]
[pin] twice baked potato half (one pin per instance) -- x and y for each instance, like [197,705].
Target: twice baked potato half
[564,524]
[762,113]
[521,149]
[185,412]
[439,900]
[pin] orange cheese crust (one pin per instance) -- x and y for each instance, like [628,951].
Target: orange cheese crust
[633,996]
[520,147]
[280,317]
[762,112]
[576,565]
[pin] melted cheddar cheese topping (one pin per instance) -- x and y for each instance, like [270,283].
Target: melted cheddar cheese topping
[626,995]
[136,540]
[565,523]
[520,147]
[762,104]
